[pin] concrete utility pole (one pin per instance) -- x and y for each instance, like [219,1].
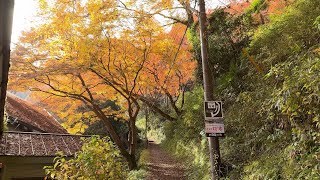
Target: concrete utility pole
[6,16]
[208,90]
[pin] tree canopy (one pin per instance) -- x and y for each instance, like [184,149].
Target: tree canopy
[105,60]
[99,53]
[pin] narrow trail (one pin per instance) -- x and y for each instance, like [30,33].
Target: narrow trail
[162,166]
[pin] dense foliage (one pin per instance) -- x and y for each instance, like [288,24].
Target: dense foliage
[269,80]
[264,58]
[99,159]
[102,51]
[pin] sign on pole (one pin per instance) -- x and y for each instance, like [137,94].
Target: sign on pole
[214,125]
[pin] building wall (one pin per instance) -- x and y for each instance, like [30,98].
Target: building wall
[15,167]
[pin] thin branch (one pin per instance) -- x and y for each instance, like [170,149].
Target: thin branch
[85,87]
[176,54]
[156,109]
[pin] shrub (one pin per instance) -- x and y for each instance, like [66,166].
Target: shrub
[141,173]
[98,159]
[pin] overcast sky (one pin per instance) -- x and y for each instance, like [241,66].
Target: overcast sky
[24,11]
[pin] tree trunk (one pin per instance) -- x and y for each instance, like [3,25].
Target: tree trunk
[133,140]
[146,131]
[130,158]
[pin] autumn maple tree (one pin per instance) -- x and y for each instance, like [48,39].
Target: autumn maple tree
[84,53]
[170,11]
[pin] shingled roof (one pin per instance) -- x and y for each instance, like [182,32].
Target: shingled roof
[32,115]
[39,144]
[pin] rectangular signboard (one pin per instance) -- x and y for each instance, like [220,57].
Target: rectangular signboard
[214,129]
[214,125]
[213,110]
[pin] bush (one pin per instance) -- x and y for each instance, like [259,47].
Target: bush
[142,172]
[272,117]
[98,159]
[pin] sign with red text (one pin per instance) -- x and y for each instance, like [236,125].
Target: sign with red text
[214,129]
[214,125]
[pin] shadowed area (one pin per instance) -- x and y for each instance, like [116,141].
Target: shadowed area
[162,166]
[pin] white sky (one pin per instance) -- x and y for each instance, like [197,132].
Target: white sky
[24,11]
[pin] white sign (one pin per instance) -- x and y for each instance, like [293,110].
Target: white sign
[214,128]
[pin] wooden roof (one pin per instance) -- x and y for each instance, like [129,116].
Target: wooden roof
[32,115]
[39,144]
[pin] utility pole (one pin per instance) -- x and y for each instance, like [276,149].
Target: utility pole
[208,90]
[6,17]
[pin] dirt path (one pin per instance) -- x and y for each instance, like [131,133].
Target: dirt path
[162,166]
